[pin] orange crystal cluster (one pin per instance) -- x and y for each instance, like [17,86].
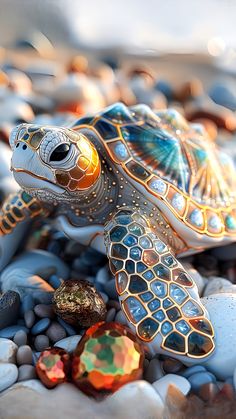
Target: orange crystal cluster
[53,366]
[108,356]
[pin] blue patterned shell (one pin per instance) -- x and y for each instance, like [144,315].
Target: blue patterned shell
[166,145]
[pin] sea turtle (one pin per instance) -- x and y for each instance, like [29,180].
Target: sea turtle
[151,184]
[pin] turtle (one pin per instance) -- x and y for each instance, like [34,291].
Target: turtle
[143,187]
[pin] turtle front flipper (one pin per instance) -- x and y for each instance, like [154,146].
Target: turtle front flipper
[157,295]
[15,216]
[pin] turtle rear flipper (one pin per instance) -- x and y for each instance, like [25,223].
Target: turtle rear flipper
[16,214]
[157,295]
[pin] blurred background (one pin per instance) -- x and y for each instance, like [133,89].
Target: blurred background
[60,59]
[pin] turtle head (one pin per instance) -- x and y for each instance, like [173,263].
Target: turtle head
[51,162]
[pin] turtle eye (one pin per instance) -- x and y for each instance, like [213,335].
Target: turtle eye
[60,153]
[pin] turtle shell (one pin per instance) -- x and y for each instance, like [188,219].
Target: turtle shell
[175,161]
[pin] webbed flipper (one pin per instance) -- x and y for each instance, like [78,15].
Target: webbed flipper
[157,295]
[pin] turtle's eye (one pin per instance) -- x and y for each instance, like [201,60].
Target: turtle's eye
[60,153]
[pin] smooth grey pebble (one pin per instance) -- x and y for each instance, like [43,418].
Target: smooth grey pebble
[154,371]
[110,289]
[193,370]
[68,328]
[41,342]
[27,303]
[111,314]
[29,318]
[24,355]
[104,296]
[9,308]
[26,372]
[55,281]
[56,332]
[120,317]
[40,326]
[20,338]
[9,332]
[44,310]
[198,379]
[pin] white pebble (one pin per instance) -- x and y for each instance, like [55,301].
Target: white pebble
[162,385]
[8,350]
[8,375]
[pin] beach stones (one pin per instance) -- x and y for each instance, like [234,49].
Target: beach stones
[108,356]
[78,303]
[162,385]
[9,308]
[8,375]
[8,350]
[53,366]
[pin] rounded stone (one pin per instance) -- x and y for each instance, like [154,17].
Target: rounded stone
[108,356]
[78,303]
[222,311]
[27,303]
[218,285]
[171,365]
[9,332]
[9,308]
[8,375]
[53,366]
[29,318]
[193,370]
[110,315]
[26,372]
[40,326]
[8,350]
[69,344]
[44,310]
[200,378]
[24,355]
[68,328]
[154,371]
[20,338]
[162,385]
[41,342]
[55,332]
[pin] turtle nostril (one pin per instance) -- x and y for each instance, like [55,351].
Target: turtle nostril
[24,147]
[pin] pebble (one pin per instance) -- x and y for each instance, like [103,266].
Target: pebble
[9,332]
[104,296]
[154,371]
[27,303]
[40,326]
[68,328]
[43,310]
[110,288]
[171,365]
[29,318]
[26,372]
[222,311]
[69,343]
[161,385]
[41,342]
[120,317]
[55,281]
[8,350]
[24,355]
[218,285]
[193,370]
[110,314]
[103,275]
[198,279]
[20,338]
[8,375]
[56,332]
[9,308]
[198,379]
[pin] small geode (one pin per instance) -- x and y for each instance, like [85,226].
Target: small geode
[78,303]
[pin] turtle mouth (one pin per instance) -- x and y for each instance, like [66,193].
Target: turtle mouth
[31,180]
